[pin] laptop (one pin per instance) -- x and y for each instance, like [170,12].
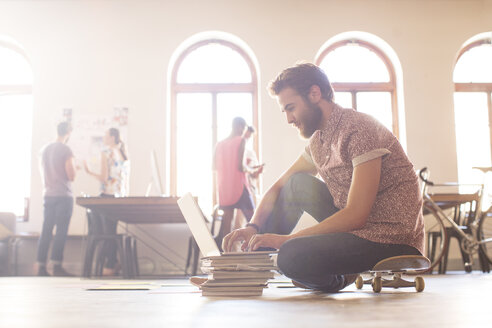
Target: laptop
[197,223]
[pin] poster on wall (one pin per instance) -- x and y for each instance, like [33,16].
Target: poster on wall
[88,132]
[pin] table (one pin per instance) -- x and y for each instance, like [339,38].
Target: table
[135,210]
[451,200]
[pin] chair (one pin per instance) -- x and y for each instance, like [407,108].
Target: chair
[126,249]
[7,230]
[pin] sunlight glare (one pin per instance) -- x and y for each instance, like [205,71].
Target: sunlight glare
[472,135]
[195,149]
[15,142]
[14,69]
[354,63]
[475,65]
[229,106]
[377,104]
[214,63]
[344,99]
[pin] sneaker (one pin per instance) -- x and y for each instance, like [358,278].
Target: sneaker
[349,279]
[108,272]
[58,271]
[298,284]
[42,272]
[112,272]
[197,281]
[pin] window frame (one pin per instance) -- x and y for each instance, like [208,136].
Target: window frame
[214,89]
[19,89]
[476,87]
[354,87]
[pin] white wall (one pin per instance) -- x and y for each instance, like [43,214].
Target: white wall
[95,55]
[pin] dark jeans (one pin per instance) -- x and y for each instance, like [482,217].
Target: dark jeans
[321,261]
[57,212]
[245,204]
[98,224]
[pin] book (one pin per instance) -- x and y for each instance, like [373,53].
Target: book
[209,270]
[232,291]
[235,282]
[259,258]
[240,266]
[240,274]
[237,274]
[210,261]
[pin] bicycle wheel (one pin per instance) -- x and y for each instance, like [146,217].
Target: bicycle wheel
[485,232]
[435,236]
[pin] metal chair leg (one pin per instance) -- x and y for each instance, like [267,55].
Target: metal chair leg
[135,257]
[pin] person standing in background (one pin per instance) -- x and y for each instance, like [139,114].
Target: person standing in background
[251,162]
[114,179]
[254,169]
[58,171]
[232,185]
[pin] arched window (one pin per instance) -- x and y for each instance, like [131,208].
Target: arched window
[472,79]
[15,129]
[213,81]
[363,78]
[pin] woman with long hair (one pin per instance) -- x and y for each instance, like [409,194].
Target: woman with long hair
[114,179]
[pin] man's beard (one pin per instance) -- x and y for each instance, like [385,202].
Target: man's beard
[311,120]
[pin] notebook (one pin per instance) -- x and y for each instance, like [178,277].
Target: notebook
[197,224]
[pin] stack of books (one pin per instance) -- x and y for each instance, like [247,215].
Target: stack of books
[234,274]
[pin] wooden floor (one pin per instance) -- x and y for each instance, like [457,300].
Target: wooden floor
[452,300]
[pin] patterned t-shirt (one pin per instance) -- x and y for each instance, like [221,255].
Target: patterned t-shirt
[350,138]
[118,174]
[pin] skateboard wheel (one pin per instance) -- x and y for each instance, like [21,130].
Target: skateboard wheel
[377,284]
[359,282]
[419,284]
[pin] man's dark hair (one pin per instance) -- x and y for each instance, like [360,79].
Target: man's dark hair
[64,128]
[301,77]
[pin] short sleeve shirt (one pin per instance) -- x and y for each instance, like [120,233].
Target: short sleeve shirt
[118,175]
[53,159]
[230,180]
[350,138]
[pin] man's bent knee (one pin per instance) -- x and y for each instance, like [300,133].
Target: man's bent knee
[290,255]
[298,179]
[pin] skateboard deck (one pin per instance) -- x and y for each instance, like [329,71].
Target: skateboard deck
[393,268]
[403,263]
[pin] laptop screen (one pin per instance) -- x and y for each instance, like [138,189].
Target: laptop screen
[198,226]
[197,223]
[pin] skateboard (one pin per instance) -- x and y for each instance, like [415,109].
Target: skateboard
[392,270]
